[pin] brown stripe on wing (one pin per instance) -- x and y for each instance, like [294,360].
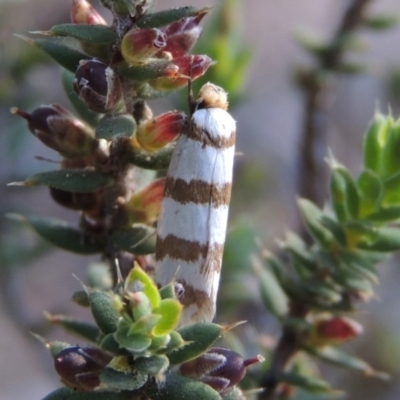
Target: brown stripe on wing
[203,136]
[198,192]
[190,251]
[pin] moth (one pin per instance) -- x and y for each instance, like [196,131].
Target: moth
[194,212]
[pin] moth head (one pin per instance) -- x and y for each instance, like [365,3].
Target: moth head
[212,96]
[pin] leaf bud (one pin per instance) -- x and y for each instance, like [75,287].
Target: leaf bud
[190,67]
[144,205]
[153,134]
[182,35]
[220,368]
[59,130]
[82,12]
[138,45]
[98,85]
[74,201]
[80,367]
[331,330]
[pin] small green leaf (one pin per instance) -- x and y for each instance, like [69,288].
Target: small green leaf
[336,229]
[57,346]
[371,190]
[135,343]
[153,69]
[200,337]
[112,380]
[81,328]
[158,160]
[138,276]
[177,387]
[109,343]
[272,295]
[313,219]
[104,311]
[153,365]
[61,234]
[170,311]
[308,383]
[374,141]
[381,22]
[385,215]
[391,151]
[113,125]
[139,239]
[98,34]
[144,325]
[165,17]
[70,180]
[87,115]
[168,292]
[384,239]
[159,344]
[174,343]
[338,357]
[71,394]
[65,56]
[392,190]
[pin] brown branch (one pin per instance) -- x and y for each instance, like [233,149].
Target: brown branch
[312,171]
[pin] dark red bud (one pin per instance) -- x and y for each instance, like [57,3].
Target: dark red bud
[74,201]
[98,85]
[80,367]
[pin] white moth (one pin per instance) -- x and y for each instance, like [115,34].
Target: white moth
[194,212]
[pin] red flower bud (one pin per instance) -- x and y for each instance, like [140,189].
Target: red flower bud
[190,67]
[138,45]
[80,367]
[98,85]
[75,201]
[83,12]
[144,205]
[60,130]
[155,133]
[330,330]
[182,35]
[220,368]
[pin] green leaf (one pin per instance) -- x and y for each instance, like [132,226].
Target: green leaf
[144,325]
[66,56]
[384,240]
[170,311]
[153,365]
[272,295]
[391,151]
[109,343]
[174,343]
[165,17]
[61,234]
[336,229]
[71,394]
[381,22]
[98,34]
[313,219]
[104,311]
[200,337]
[177,387]
[392,190]
[113,125]
[341,358]
[158,160]
[168,291]
[150,70]
[385,215]
[135,343]
[149,288]
[308,383]
[70,180]
[139,239]
[374,141]
[113,380]
[371,190]
[81,328]
[87,115]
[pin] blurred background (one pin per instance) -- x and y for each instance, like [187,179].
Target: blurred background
[270,116]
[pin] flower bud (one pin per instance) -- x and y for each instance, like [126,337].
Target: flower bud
[219,368]
[138,45]
[83,12]
[58,129]
[144,205]
[330,330]
[190,67]
[98,85]
[80,367]
[182,35]
[74,201]
[155,133]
